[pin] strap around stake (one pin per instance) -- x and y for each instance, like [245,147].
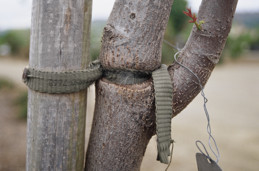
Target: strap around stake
[61,82]
[74,81]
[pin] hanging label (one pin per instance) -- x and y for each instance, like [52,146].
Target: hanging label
[206,165]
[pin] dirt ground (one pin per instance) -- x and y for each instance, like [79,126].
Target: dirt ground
[233,94]
[12,135]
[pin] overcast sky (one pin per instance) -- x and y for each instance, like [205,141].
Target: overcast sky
[17,13]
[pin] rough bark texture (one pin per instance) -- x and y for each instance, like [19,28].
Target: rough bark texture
[120,126]
[132,40]
[56,123]
[202,51]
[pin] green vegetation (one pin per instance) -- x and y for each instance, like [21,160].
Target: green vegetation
[178,20]
[236,45]
[96,36]
[17,40]
[177,30]
[241,42]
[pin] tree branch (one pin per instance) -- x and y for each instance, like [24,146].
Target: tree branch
[202,51]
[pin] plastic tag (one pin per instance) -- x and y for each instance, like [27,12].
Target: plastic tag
[206,165]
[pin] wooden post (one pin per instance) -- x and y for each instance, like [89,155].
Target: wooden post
[56,123]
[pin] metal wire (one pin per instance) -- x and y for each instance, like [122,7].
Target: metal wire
[205,100]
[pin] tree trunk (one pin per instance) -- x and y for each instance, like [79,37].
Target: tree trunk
[124,115]
[56,123]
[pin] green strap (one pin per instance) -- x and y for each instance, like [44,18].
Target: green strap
[74,81]
[61,82]
[163,100]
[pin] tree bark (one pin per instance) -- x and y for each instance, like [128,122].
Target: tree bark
[124,119]
[120,126]
[202,51]
[56,123]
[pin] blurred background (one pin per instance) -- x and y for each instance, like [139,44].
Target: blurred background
[232,90]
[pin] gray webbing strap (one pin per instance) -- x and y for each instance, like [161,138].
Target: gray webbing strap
[61,82]
[163,100]
[74,81]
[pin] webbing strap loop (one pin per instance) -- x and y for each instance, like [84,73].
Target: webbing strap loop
[74,81]
[61,82]
[163,100]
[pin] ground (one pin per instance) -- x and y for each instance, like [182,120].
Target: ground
[12,135]
[233,93]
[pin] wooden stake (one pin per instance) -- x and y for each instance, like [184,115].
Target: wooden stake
[56,123]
